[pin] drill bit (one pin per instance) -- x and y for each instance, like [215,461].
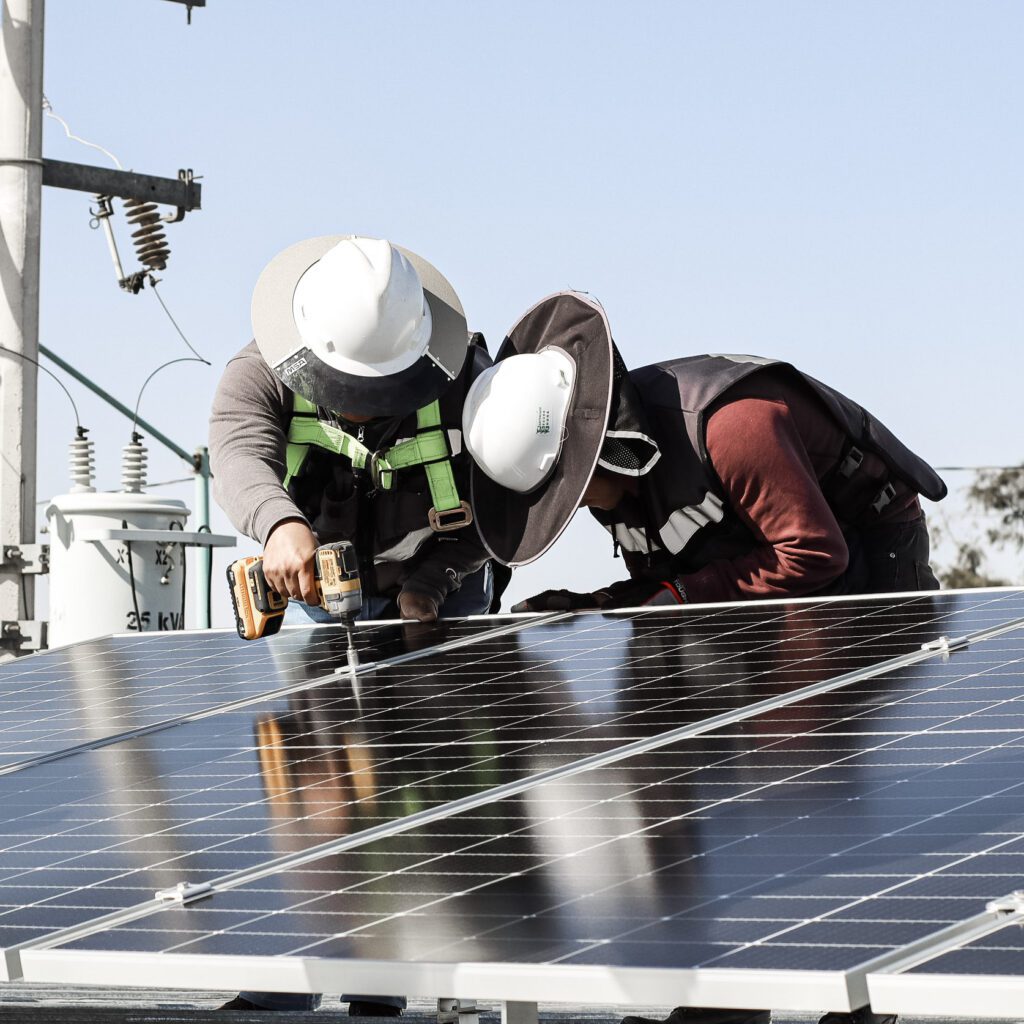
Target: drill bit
[351,653]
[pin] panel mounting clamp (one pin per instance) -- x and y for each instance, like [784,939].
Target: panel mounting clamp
[945,646]
[184,892]
[1013,904]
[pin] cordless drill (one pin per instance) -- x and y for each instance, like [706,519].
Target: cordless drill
[259,609]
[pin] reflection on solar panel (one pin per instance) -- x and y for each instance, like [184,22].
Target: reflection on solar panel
[750,805]
[102,689]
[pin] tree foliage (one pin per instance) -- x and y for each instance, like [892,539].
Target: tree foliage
[967,571]
[1000,492]
[996,496]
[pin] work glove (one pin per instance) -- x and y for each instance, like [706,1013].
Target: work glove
[559,601]
[419,607]
[638,593]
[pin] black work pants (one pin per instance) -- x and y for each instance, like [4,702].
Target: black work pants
[887,558]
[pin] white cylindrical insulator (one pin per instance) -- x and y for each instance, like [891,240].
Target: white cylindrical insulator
[98,587]
[133,467]
[80,453]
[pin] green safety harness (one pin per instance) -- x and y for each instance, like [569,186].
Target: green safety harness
[429,449]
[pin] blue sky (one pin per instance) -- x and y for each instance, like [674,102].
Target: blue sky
[838,184]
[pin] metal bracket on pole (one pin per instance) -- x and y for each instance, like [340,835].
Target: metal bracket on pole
[23,635]
[457,1011]
[183,192]
[28,559]
[189,4]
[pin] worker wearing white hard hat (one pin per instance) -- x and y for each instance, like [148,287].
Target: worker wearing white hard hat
[718,477]
[342,421]
[359,324]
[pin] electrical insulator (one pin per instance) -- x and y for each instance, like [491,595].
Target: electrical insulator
[149,239]
[81,459]
[133,466]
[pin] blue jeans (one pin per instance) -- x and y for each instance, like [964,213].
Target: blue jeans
[472,598]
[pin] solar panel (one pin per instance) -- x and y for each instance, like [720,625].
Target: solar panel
[107,827]
[744,866]
[976,970]
[101,689]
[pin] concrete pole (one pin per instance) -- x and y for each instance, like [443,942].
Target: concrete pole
[21,181]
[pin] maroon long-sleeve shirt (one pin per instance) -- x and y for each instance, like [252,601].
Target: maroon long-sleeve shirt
[771,443]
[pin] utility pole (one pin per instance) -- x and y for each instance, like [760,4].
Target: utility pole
[23,172]
[21,181]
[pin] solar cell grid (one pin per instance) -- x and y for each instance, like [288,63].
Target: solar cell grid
[896,805]
[100,689]
[1001,952]
[979,976]
[234,790]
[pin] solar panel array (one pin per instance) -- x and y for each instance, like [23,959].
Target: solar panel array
[749,805]
[101,689]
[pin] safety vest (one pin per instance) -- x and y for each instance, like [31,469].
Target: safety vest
[683,493]
[429,449]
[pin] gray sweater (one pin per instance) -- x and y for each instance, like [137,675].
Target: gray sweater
[248,440]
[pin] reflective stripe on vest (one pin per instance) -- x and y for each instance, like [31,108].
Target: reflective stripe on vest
[685,522]
[429,449]
[677,530]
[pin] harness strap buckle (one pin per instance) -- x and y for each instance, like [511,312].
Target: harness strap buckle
[450,519]
[884,497]
[382,473]
[851,463]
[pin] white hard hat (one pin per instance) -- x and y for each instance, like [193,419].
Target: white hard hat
[513,422]
[535,424]
[359,325]
[361,309]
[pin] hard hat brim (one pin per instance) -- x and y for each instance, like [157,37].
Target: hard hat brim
[299,369]
[518,528]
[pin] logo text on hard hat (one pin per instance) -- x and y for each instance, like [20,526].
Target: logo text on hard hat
[293,367]
[543,421]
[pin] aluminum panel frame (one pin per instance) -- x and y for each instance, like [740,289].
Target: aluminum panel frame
[589,985]
[988,996]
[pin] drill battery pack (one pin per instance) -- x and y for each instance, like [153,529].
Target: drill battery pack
[259,609]
[337,579]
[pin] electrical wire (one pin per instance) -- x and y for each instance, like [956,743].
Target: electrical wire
[976,469]
[152,284]
[145,383]
[50,112]
[184,578]
[184,571]
[60,383]
[131,576]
